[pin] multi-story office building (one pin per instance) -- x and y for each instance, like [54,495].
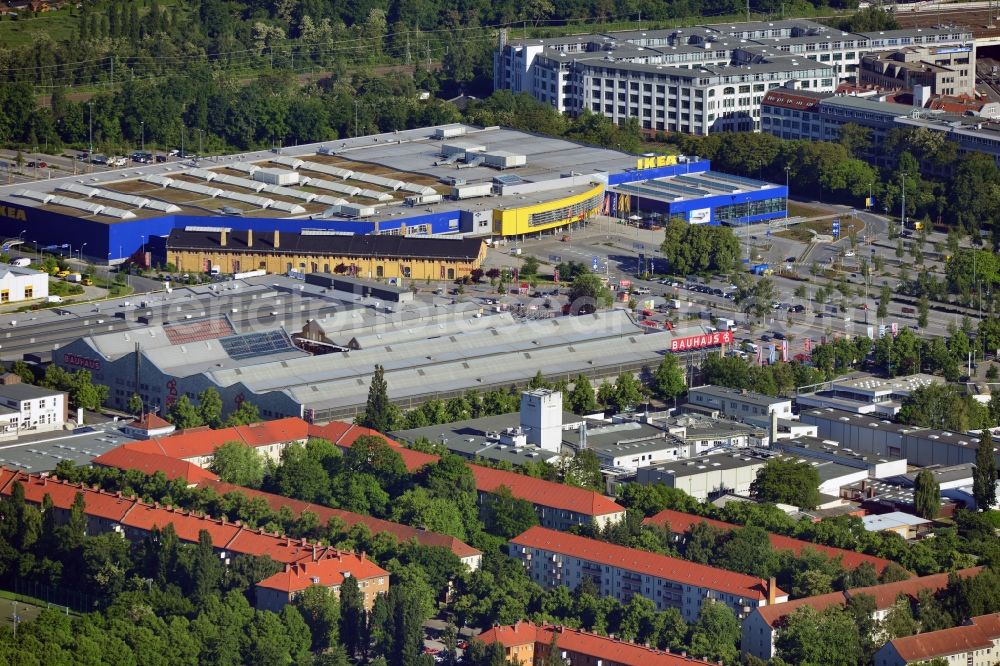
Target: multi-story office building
[949,70]
[557,558]
[697,80]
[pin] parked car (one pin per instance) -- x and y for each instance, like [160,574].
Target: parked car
[39,164]
[161,158]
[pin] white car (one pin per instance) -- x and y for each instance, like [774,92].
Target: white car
[849,253]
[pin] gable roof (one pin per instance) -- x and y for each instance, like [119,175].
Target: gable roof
[124,457]
[976,636]
[884,594]
[329,571]
[488,480]
[150,421]
[644,562]
[545,493]
[402,532]
[136,515]
[683,522]
[600,648]
[196,442]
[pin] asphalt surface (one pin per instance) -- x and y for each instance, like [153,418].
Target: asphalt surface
[614,249]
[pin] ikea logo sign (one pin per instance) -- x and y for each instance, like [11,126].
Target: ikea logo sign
[11,213]
[655,161]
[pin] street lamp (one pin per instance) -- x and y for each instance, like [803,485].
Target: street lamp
[902,216]
[81,252]
[787,194]
[142,134]
[90,155]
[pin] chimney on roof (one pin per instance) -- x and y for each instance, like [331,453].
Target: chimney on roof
[222,238]
[772,587]
[277,239]
[774,427]
[315,555]
[249,238]
[288,568]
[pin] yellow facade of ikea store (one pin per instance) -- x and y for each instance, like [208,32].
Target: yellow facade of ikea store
[548,214]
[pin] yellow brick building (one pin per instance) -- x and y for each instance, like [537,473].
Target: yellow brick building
[204,249]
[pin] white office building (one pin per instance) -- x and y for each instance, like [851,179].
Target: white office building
[22,284]
[697,80]
[25,408]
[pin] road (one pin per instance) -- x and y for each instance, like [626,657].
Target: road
[615,249]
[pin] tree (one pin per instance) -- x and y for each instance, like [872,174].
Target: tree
[984,474]
[584,469]
[506,515]
[321,612]
[716,633]
[628,391]
[210,407]
[885,295]
[923,308]
[529,267]
[245,414]
[829,637]
[582,399]
[926,495]
[378,413]
[668,380]
[183,414]
[787,481]
[373,455]
[237,463]
[135,405]
[353,619]
[587,293]
[943,406]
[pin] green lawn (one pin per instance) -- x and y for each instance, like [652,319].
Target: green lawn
[58,25]
[28,608]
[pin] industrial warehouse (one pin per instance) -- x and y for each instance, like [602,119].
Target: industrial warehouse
[272,370]
[448,181]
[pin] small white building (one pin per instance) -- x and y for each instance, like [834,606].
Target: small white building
[739,404]
[22,284]
[25,408]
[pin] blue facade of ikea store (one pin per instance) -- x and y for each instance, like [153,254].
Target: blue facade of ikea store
[748,201]
[111,241]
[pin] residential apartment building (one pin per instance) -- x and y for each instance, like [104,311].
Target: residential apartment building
[197,445]
[557,505]
[976,643]
[556,558]
[135,519]
[330,571]
[697,80]
[680,525]
[527,643]
[762,625]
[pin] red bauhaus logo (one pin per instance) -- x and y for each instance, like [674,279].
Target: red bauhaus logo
[81,361]
[699,341]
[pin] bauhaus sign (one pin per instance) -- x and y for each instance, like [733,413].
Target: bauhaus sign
[699,341]
[655,161]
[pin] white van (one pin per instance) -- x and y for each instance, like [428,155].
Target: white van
[21,262]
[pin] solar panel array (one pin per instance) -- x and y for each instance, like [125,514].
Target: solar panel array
[250,345]
[203,329]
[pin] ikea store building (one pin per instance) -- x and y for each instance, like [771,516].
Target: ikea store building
[453,180]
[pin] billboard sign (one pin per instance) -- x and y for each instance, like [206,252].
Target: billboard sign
[700,216]
[701,341]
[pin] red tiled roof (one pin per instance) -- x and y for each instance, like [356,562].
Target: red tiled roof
[124,457]
[488,480]
[329,570]
[402,532]
[143,517]
[640,561]
[887,593]
[111,506]
[775,615]
[584,643]
[150,421]
[683,522]
[975,636]
[511,635]
[345,434]
[545,493]
[197,442]
[884,594]
[988,623]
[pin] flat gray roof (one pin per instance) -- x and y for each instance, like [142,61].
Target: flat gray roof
[752,397]
[25,391]
[709,463]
